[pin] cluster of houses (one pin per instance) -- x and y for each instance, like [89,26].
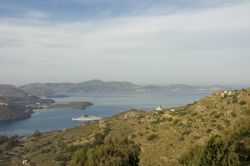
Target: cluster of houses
[160,109]
[227,93]
[3,104]
[36,106]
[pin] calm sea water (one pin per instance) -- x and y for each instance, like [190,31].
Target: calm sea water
[104,105]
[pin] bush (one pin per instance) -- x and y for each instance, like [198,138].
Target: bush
[176,121]
[12,142]
[242,102]
[133,136]
[182,113]
[194,113]
[112,152]
[189,123]
[230,150]
[218,115]
[46,151]
[227,122]
[3,139]
[99,138]
[152,137]
[233,114]
[235,100]
[187,132]
[219,127]
[181,138]
[213,152]
[170,119]
[209,130]
[37,134]
[244,90]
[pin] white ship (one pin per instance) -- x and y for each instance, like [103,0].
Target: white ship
[86,118]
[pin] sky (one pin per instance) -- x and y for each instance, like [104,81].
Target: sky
[162,42]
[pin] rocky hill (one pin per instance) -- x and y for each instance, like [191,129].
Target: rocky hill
[50,89]
[98,86]
[212,131]
[12,113]
[15,103]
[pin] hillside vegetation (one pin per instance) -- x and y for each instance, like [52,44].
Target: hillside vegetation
[212,131]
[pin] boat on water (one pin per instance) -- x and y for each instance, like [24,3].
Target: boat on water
[86,118]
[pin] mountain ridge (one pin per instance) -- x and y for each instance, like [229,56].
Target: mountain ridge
[14,103]
[99,86]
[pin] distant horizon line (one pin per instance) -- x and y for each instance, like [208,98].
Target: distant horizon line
[232,85]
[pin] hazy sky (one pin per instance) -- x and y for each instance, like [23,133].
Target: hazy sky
[142,41]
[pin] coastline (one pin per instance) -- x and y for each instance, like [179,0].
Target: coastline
[13,115]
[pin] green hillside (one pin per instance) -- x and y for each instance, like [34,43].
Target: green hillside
[212,131]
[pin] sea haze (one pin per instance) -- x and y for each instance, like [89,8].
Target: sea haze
[105,105]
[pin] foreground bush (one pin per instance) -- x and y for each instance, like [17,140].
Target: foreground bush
[112,152]
[223,151]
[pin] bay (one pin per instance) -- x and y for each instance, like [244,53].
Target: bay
[105,105]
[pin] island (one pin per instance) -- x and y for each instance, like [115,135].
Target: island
[56,96]
[74,105]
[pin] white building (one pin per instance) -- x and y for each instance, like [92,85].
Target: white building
[4,104]
[158,108]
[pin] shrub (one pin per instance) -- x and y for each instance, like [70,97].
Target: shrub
[189,123]
[99,138]
[181,138]
[46,151]
[176,121]
[244,90]
[187,132]
[227,122]
[12,142]
[242,102]
[152,137]
[3,139]
[156,121]
[170,119]
[140,134]
[209,130]
[36,134]
[235,100]
[133,136]
[218,115]
[219,127]
[230,150]
[213,112]
[233,114]
[113,152]
[32,164]
[194,113]
[182,113]
[71,148]
[62,157]
[213,152]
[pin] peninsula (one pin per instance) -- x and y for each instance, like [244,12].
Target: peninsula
[18,104]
